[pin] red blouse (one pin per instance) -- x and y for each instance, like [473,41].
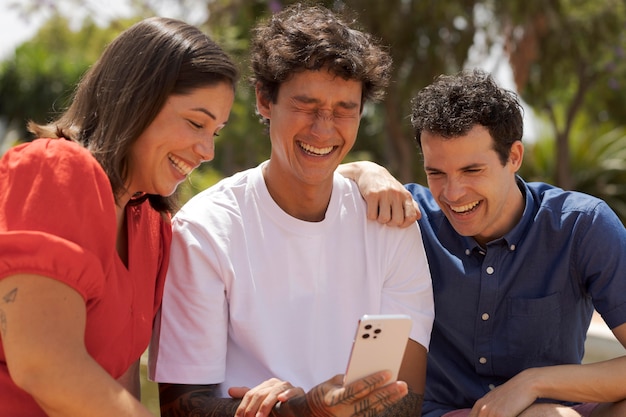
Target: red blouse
[57,219]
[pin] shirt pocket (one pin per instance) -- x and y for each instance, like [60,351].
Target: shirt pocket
[532,329]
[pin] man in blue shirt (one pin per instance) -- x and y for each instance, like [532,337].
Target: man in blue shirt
[517,267]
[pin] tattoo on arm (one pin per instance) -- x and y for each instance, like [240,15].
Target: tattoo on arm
[3,323]
[7,299]
[10,296]
[178,400]
[411,405]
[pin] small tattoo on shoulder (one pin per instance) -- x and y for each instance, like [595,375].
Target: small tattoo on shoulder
[10,296]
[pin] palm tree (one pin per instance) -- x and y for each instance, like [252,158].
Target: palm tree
[598,165]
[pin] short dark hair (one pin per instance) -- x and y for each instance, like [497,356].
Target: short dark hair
[122,93]
[301,38]
[453,104]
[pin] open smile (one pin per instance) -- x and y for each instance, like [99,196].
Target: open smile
[182,167]
[314,151]
[466,208]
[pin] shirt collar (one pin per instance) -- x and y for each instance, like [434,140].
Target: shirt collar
[516,234]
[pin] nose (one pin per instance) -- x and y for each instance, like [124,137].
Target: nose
[323,123]
[205,149]
[453,190]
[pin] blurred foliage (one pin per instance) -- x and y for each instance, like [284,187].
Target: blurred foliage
[568,59]
[200,179]
[598,161]
[37,83]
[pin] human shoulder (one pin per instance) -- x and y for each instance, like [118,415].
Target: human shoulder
[59,168]
[557,200]
[575,213]
[39,152]
[221,202]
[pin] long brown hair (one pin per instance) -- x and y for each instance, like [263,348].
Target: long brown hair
[125,89]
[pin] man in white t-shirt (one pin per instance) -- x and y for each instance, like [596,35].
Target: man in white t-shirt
[271,268]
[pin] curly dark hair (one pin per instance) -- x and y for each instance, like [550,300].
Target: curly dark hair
[301,38]
[453,104]
[122,93]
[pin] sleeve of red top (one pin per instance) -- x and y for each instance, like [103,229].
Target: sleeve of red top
[57,215]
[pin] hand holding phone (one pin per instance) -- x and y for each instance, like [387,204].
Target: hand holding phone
[378,345]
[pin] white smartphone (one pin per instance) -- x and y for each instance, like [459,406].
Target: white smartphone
[378,345]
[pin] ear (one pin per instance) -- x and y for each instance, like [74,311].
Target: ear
[516,155]
[263,103]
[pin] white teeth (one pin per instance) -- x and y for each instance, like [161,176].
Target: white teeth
[181,166]
[465,208]
[315,151]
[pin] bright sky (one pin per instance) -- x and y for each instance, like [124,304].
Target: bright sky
[15,29]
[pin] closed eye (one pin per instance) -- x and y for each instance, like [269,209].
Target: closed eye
[194,124]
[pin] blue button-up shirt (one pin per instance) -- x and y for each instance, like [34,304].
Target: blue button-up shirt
[526,299]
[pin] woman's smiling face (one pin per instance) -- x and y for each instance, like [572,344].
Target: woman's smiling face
[179,139]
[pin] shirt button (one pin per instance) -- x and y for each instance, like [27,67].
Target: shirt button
[491,386]
[467,252]
[490,270]
[482,360]
[512,247]
[485,316]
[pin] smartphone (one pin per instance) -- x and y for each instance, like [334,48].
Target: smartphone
[378,345]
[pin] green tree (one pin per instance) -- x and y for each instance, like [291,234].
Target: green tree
[38,81]
[598,162]
[568,59]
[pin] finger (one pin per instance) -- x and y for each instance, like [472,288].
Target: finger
[385,397]
[363,387]
[251,405]
[411,210]
[265,408]
[237,392]
[372,202]
[290,393]
[397,214]
[270,400]
[411,213]
[384,210]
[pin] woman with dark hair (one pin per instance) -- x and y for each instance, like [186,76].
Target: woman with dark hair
[84,220]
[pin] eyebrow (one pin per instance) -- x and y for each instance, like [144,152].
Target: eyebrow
[205,111]
[463,168]
[308,100]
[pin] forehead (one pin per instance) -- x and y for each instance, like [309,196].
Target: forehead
[321,87]
[216,99]
[474,147]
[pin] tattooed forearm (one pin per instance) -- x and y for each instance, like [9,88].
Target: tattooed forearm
[194,400]
[409,406]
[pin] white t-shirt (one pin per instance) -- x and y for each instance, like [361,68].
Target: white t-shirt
[253,293]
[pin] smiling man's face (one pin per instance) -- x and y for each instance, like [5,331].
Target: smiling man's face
[478,194]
